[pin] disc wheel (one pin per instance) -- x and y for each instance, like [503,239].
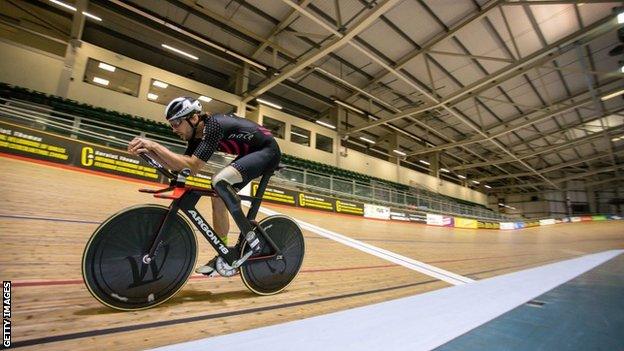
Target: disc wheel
[112,266]
[268,277]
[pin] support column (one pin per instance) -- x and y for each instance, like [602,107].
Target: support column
[339,114]
[434,167]
[75,42]
[591,199]
[393,140]
[241,86]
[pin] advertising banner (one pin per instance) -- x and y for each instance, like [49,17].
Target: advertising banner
[466,223]
[548,221]
[507,225]
[417,218]
[377,212]
[41,145]
[575,219]
[278,195]
[399,216]
[435,219]
[317,202]
[599,218]
[519,225]
[439,220]
[348,207]
[586,218]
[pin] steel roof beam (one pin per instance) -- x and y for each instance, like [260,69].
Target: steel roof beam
[552,168]
[561,180]
[536,59]
[341,40]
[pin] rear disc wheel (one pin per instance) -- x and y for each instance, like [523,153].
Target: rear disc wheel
[270,276]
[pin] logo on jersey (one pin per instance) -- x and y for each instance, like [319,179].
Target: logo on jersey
[241,136]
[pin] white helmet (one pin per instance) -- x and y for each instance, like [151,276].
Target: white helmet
[182,107]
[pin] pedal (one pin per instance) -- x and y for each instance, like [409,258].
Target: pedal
[224,269]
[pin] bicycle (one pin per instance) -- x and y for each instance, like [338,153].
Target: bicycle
[143,255]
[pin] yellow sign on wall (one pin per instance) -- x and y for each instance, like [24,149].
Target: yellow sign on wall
[466,223]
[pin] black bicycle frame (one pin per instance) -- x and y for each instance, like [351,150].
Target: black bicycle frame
[185,199]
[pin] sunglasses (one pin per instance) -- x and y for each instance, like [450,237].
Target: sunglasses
[175,123]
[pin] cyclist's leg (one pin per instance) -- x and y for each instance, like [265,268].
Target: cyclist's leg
[249,166]
[220,219]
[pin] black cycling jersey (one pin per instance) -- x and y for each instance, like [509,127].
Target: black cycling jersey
[254,145]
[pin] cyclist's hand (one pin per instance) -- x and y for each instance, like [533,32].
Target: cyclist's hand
[140,145]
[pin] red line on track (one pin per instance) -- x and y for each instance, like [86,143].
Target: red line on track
[194,277]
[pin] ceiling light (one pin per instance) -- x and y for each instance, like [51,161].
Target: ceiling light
[204,98]
[298,134]
[367,140]
[152,96]
[268,103]
[373,117]
[71,8]
[92,16]
[350,107]
[620,18]
[100,80]
[63,5]
[445,170]
[461,176]
[160,84]
[487,186]
[501,204]
[424,162]
[610,96]
[476,182]
[399,152]
[107,67]
[326,124]
[179,51]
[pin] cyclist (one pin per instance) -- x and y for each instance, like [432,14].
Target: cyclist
[256,149]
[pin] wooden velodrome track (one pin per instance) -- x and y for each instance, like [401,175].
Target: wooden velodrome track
[48,214]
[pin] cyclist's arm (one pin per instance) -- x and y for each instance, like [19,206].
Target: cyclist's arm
[166,157]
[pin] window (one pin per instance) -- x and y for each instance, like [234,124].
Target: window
[276,127]
[300,135]
[324,143]
[162,93]
[110,77]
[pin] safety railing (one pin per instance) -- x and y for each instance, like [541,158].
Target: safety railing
[44,118]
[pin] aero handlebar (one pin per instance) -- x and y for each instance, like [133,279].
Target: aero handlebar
[160,168]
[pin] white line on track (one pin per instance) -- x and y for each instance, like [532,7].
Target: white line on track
[407,262]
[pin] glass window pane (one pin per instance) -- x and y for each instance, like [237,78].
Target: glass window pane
[276,127]
[324,143]
[113,78]
[162,93]
[300,136]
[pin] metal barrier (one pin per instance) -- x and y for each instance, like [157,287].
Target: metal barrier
[44,118]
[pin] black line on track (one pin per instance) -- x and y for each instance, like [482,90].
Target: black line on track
[92,333]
